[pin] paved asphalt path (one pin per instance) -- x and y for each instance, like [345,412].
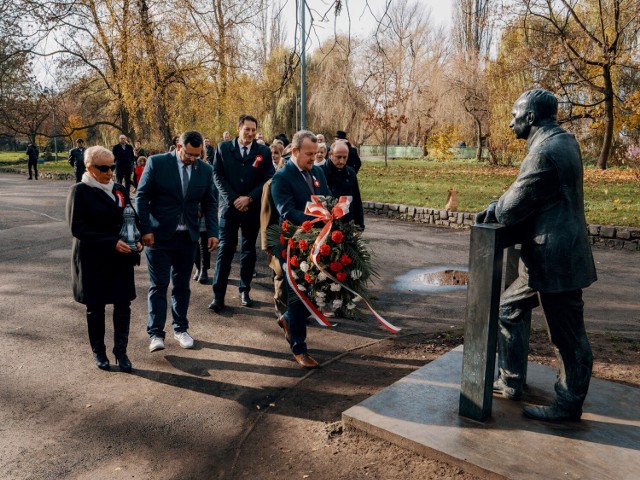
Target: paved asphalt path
[184,413]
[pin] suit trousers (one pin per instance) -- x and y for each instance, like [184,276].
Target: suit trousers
[169,260]
[295,316]
[249,225]
[33,165]
[203,255]
[564,315]
[124,174]
[121,321]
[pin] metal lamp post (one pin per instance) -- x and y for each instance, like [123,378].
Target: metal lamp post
[53,111]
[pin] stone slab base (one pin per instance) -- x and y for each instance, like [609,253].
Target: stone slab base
[420,412]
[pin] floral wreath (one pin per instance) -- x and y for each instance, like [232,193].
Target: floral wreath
[329,270]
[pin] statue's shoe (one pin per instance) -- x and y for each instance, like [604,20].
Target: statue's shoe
[552,413]
[508,392]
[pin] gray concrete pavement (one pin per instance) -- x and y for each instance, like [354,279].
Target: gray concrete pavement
[183,414]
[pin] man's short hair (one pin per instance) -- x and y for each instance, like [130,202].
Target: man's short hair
[337,143]
[542,103]
[79,140]
[244,118]
[192,138]
[300,136]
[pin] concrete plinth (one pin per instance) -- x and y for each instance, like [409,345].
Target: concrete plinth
[420,412]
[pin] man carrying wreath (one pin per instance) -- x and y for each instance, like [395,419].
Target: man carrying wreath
[291,189]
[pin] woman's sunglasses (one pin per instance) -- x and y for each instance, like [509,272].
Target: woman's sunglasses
[105,168]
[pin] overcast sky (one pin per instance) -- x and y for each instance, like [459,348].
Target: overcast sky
[360,16]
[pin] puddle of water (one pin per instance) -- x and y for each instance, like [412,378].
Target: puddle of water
[433,279]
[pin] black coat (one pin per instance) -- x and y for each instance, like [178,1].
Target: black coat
[33,152]
[99,273]
[345,182]
[354,159]
[124,157]
[76,160]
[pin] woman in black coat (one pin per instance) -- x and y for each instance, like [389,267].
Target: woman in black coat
[102,264]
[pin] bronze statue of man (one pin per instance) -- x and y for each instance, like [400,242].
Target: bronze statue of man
[544,211]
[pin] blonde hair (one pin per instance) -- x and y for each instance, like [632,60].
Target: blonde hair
[277,145]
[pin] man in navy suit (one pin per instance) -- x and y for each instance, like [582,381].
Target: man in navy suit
[170,190]
[291,189]
[124,160]
[240,169]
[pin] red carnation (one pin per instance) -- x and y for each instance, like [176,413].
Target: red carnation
[335,266]
[325,250]
[337,236]
[294,261]
[285,225]
[292,243]
[309,278]
[283,253]
[303,245]
[341,276]
[282,239]
[345,260]
[306,226]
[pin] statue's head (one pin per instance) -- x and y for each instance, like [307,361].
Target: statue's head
[534,108]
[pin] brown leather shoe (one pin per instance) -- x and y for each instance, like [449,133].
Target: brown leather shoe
[305,360]
[282,323]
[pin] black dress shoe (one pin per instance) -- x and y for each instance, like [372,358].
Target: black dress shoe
[123,362]
[101,361]
[552,413]
[217,305]
[203,279]
[245,300]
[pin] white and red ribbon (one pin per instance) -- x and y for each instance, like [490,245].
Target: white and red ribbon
[316,209]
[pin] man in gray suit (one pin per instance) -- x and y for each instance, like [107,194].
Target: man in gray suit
[544,209]
[167,199]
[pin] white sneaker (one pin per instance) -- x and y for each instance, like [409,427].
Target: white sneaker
[184,338]
[157,343]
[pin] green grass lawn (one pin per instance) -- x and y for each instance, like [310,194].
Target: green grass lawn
[20,159]
[612,197]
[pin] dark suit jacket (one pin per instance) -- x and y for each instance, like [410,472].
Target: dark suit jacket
[99,273]
[76,160]
[160,200]
[353,160]
[124,158]
[290,192]
[345,182]
[236,177]
[545,206]
[210,153]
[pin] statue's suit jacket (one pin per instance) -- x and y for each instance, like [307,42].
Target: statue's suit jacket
[545,207]
[160,201]
[290,192]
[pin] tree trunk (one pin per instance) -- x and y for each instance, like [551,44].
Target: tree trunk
[478,139]
[159,85]
[608,120]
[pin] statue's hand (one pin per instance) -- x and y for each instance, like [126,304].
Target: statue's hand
[488,215]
